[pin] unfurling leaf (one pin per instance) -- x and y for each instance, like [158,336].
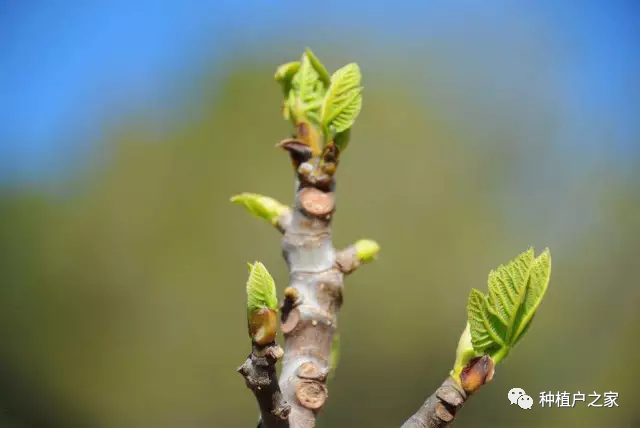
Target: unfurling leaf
[343,100]
[261,289]
[323,74]
[308,92]
[261,206]
[367,250]
[305,100]
[465,352]
[284,75]
[322,107]
[498,321]
[262,304]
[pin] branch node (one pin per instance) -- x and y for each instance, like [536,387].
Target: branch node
[309,370]
[352,257]
[290,322]
[316,203]
[282,412]
[443,413]
[451,396]
[311,394]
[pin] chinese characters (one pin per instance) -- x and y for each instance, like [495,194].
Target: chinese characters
[565,399]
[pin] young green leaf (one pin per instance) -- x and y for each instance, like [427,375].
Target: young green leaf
[284,75]
[323,74]
[539,281]
[484,335]
[498,321]
[343,100]
[261,289]
[308,93]
[261,206]
[262,304]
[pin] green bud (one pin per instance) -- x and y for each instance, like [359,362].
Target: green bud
[464,353]
[262,304]
[261,288]
[367,250]
[261,206]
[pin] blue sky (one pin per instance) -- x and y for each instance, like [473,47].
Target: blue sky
[63,63]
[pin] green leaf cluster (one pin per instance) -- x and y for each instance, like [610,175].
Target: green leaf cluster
[330,103]
[500,319]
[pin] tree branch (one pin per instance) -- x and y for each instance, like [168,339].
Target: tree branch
[312,303]
[314,296]
[440,409]
[323,108]
[259,372]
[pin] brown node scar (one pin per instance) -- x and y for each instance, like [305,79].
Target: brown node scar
[315,202]
[443,413]
[311,394]
[309,370]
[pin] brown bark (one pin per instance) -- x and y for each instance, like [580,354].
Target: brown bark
[314,296]
[309,312]
[440,409]
[309,322]
[259,372]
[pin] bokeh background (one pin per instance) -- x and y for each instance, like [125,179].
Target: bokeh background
[487,127]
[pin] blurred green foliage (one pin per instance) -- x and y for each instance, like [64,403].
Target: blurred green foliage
[122,301]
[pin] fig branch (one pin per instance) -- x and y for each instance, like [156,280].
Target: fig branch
[496,323]
[322,108]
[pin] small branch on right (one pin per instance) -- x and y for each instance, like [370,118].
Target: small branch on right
[439,410]
[352,257]
[496,323]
